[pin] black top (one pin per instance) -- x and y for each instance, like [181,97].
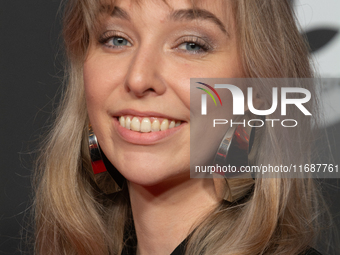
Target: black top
[130,249]
[130,238]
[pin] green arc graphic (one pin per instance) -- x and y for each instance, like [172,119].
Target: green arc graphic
[209,94]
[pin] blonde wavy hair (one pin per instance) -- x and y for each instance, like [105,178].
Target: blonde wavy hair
[280,216]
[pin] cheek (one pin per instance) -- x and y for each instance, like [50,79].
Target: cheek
[92,84]
[97,90]
[99,83]
[103,75]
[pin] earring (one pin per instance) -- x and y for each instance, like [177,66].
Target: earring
[233,153]
[106,176]
[234,148]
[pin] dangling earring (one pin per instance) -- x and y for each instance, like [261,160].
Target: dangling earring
[233,153]
[235,147]
[106,176]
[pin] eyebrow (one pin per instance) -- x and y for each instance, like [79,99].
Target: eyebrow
[120,13]
[178,15]
[192,14]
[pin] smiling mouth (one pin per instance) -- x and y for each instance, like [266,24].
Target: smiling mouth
[147,124]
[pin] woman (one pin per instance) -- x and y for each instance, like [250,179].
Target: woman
[131,61]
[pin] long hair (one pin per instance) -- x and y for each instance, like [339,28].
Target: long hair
[280,216]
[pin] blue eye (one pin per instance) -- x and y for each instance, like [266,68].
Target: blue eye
[111,40]
[119,41]
[192,46]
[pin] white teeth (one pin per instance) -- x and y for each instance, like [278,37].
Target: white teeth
[172,124]
[155,125]
[135,124]
[128,123]
[164,125]
[122,121]
[145,125]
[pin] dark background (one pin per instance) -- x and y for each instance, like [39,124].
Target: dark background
[31,74]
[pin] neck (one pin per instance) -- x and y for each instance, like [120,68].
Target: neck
[164,214]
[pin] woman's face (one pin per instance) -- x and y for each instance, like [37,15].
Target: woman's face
[139,69]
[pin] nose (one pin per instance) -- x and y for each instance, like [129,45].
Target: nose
[145,73]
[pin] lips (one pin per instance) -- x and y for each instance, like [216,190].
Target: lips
[145,127]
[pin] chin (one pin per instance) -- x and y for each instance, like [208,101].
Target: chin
[151,173]
[151,167]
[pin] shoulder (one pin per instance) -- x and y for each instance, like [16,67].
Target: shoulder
[311,251]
